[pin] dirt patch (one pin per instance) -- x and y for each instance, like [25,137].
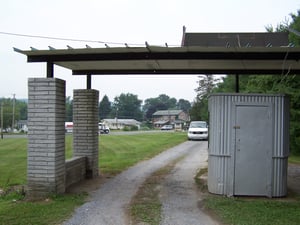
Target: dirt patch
[89,185]
[294,178]
[145,206]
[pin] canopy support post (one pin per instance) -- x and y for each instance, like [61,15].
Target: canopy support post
[50,73]
[88,81]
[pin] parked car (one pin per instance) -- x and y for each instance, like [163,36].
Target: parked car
[103,129]
[198,130]
[167,127]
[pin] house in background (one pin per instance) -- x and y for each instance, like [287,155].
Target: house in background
[119,124]
[22,126]
[177,118]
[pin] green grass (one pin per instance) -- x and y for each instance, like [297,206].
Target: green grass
[294,159]
[116,154]
[13,163]
[54,210]
[251,210]
[245,211]
[124,151]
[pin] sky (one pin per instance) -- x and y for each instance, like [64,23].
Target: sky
[116,22]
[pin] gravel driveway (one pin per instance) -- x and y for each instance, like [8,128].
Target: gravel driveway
[109,204]
[180,196]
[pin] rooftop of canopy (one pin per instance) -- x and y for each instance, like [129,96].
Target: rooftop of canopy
[200,53]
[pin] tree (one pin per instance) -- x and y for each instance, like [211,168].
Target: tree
[104,108]
[295,25]
[127,106]
[162,102]
[292,27]
[199,110]
[206,85]
[184,105]
[20,112]
[21,109]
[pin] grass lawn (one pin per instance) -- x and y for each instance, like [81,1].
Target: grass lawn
[258,211]
[119,154]
[13,155]
[294,159]
[116,154]
[251,210]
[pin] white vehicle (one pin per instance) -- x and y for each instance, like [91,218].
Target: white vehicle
[69,127]
[198,130]
[103,129]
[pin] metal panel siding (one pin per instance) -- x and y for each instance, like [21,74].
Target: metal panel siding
[219,145]
[279,187]
[218,176]
[222,140]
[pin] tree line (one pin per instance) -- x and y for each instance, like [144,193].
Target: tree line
[129,106]
[12,110]
[126,106]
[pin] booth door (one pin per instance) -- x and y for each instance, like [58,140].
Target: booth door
[253,145]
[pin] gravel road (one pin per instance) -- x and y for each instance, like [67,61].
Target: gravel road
[109,204]
[180,196]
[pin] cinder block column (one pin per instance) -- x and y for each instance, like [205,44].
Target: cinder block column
[85,130]
[46,137]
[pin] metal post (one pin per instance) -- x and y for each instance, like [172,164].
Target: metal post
[50,73]
[2,119]
[237,83]
[13,113]
[88,81]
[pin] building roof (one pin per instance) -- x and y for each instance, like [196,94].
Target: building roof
[276,39]
[171,60]
[161,122]
[123,121]
[167,113]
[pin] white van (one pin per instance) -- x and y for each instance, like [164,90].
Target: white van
[198,130]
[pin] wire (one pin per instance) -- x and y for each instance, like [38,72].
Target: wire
[72,39]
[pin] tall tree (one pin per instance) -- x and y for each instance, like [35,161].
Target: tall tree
[184,105]
[104,108]
[162,102]
[127,106]
[206,86]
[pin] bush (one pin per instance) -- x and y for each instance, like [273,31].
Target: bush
[130,128]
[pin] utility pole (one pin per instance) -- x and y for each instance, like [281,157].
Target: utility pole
[1,119]
[13,113]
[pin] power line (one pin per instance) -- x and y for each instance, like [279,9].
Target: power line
[48,37]
[71,39]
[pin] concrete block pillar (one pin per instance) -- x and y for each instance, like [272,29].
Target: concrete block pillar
[85,129]
[46,137]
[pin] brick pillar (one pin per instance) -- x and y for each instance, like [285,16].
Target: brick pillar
[85,130]
[46,137]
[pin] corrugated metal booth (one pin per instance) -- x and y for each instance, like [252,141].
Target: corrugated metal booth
[248,144]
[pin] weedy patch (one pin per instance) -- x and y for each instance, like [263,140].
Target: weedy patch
[201,179]
[145,206]
[248,210]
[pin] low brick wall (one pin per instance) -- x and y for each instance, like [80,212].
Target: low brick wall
[75,170]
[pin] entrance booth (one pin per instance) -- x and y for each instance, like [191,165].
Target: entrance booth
[48,172]
[248,144]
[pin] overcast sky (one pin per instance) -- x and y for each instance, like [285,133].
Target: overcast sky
[121,21]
